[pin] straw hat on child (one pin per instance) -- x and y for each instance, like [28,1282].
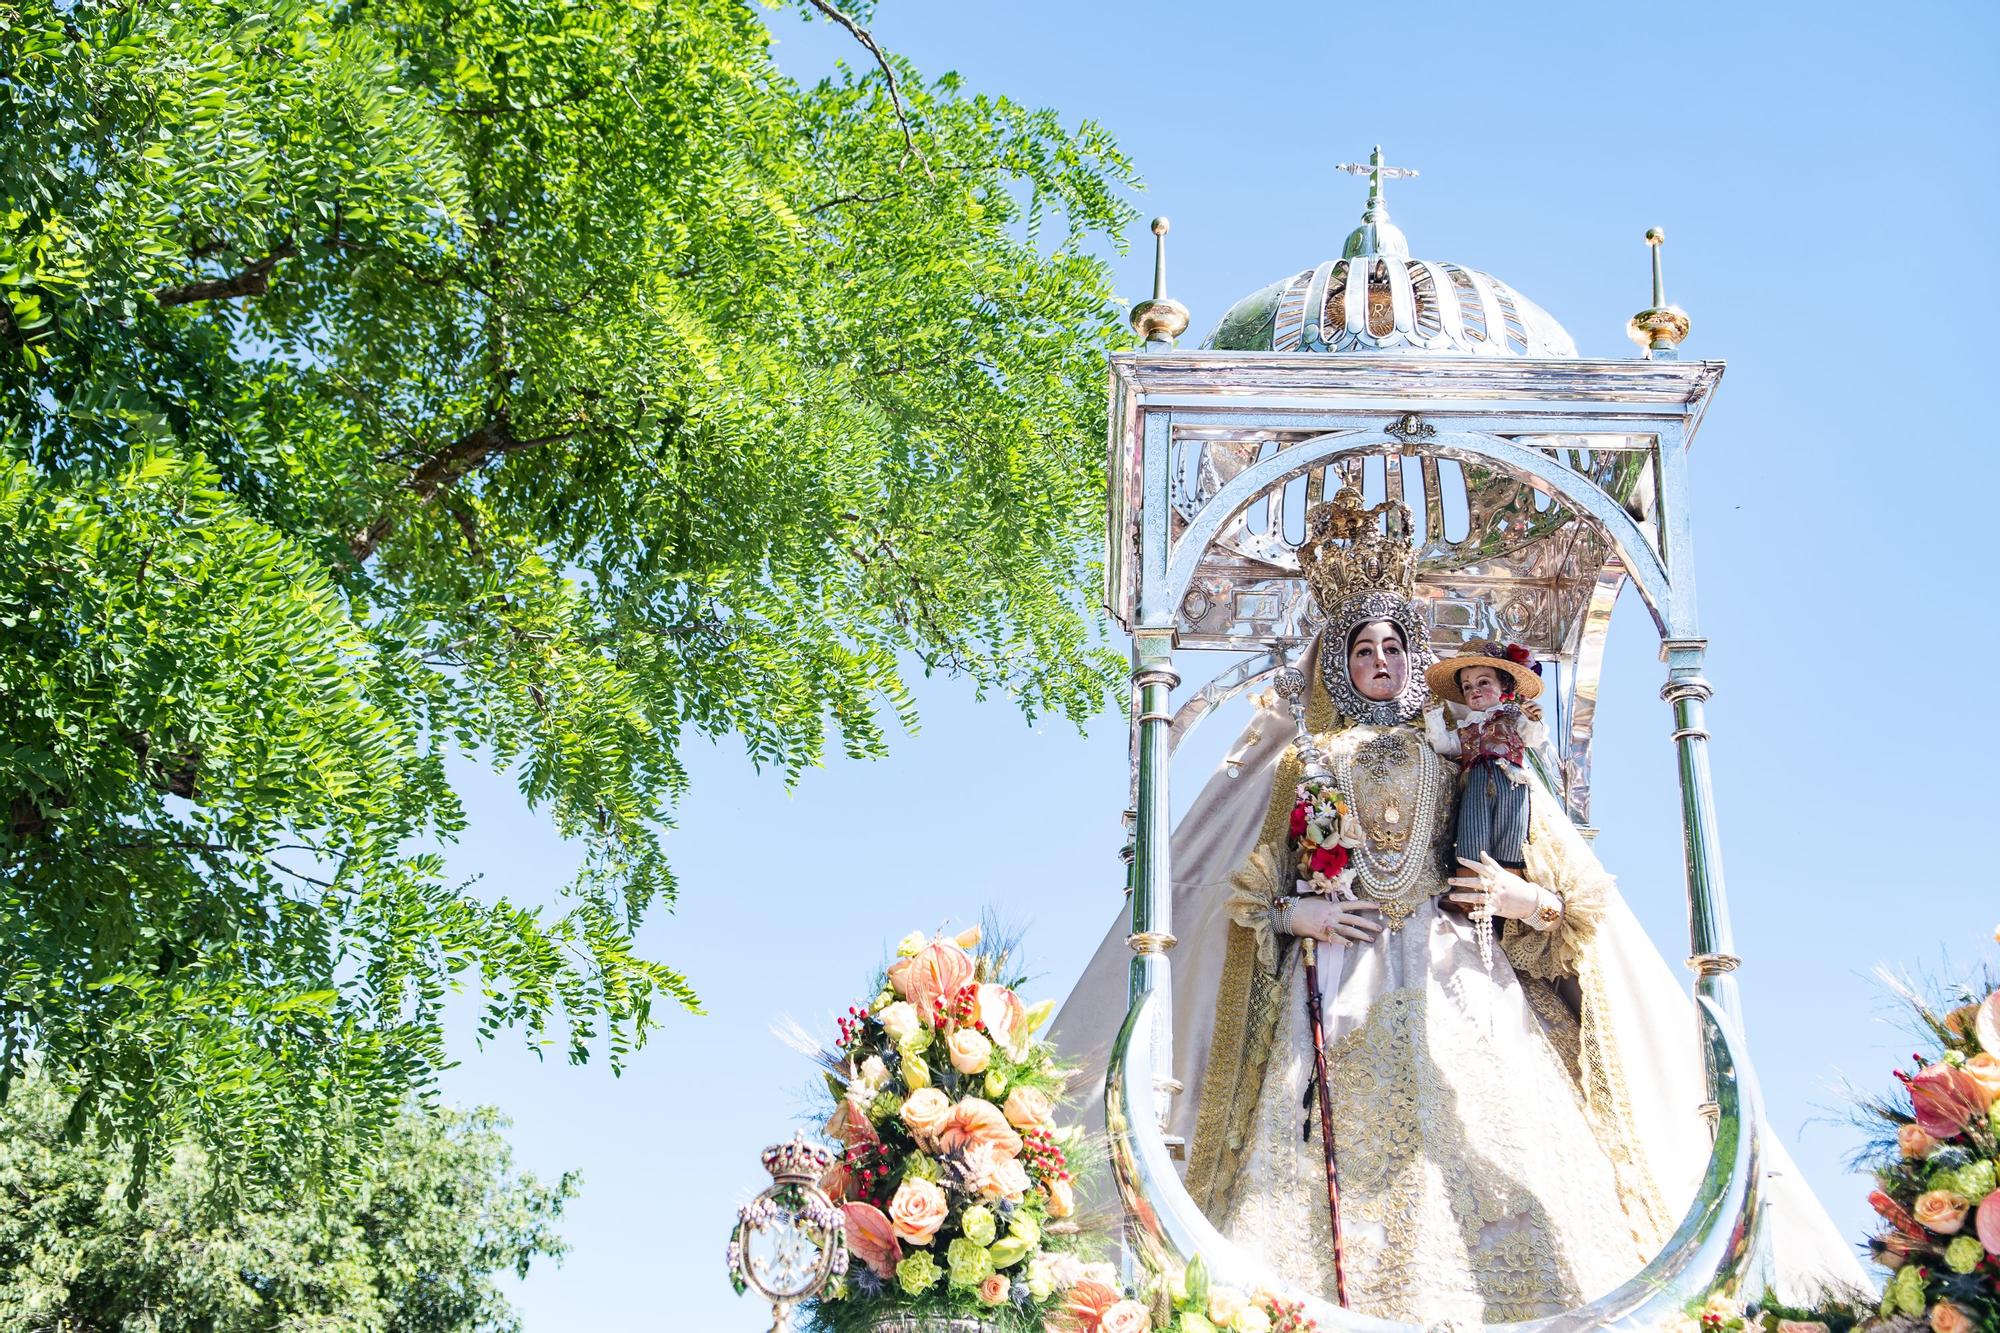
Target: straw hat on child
[1510,661]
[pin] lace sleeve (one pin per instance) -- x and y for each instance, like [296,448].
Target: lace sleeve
[1253,891]
[1559,860]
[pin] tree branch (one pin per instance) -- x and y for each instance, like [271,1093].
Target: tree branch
[861,35]
[254,280]
[442,470]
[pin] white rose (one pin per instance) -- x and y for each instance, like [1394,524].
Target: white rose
[900,1021]
[863,1087]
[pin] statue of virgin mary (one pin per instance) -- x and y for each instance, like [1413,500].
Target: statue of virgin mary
[1518,1127]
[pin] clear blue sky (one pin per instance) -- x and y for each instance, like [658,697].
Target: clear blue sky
[1827,177]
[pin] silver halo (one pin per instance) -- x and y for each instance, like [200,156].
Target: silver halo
[1351,615]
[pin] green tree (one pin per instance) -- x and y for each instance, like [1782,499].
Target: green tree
[551,382]
[413,1249]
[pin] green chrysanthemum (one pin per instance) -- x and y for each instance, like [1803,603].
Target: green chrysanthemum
[918,1273]
[1963,1254]
[969,1262]
[978,1224]
[1908,1290]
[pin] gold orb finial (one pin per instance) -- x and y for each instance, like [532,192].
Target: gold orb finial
[1162,319]
[1660,328]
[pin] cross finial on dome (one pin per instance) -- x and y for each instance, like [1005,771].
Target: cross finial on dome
[1376,235]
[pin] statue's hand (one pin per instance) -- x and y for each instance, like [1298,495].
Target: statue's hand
[1488,886]
[1328,919]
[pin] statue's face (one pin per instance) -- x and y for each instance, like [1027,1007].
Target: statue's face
[1377,664]
[1482,687]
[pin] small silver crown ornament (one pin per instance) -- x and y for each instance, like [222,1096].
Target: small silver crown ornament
[790,1241]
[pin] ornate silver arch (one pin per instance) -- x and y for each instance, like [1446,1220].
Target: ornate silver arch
[1580,479]
[1647,571]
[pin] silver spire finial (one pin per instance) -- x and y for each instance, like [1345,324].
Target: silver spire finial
[1376,235]
[1660,328]
[1162,319]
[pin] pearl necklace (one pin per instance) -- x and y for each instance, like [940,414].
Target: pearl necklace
[1388,880]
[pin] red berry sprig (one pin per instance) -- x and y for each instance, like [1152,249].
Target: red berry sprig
[851,1024]
[1041,1155]
[1291,1317]
[871,1166]
[958,1011]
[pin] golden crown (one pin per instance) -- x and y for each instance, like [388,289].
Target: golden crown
[1352,549]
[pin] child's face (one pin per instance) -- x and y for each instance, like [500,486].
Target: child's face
[1481,687]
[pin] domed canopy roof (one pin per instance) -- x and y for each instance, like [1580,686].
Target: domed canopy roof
[1376,299]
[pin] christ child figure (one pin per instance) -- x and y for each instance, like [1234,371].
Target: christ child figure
[1486,720]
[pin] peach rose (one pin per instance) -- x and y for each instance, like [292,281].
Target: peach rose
[993,1291]
[976,1120]
[1062,1199]
[1987,1223]
[871,1238]
[1225,1305]
[1984,1069]
[1008,1181]
[1949,1318]
[917,1211]
[925,1112]
[900,1021]
[1945,1098]
[1029,1109]
[1915,1144]
[1126,1317]
[939,970]
[1940,1211]
[1801,1326]
[970,1052]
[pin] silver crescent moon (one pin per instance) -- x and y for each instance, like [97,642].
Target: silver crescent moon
[1708,1253]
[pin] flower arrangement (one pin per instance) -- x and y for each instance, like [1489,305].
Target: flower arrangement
[1938,1183]
[1198,1306]
[1520,657]
[1324,834]
[955,1179]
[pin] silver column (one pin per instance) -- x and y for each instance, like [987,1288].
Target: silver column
[1153,679]
[1710,940]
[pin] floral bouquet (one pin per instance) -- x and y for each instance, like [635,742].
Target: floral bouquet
[1938,1188]
[1324,834]
[953,1175]
[1197,1306]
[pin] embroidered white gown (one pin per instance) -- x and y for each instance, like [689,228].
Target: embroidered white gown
[1474,1184]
